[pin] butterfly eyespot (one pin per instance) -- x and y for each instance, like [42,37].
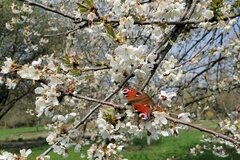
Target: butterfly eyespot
[141,102]
[143,116]
[125,91]
[138,94]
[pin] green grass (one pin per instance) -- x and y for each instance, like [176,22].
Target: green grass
[164,148]
[71,156]
[8,134]
[210,124]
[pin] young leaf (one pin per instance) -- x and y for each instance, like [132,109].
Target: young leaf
[82,8]
[171,42]
[75,72]
[66,61]
[110,30]
[89,3]
[99,63]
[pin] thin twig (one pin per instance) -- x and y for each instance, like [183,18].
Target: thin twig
[172,35]
[175,120]
[196,54]
[96,100]
[31,3]
[13,102]
[67,32]
[181,22]
[95,69]
[206,69]
[82,121]
[194,45]
[216,134]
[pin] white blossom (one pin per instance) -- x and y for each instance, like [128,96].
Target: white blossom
[185,117]
[37,63]
[166,97]
[207,14]
[11,83]
[9,26]
[165,133]
[61,150]
[40,105]
[91,16]
[29,72]
[27,8]
[160,118]
[126,22]
[25,153]
[7,156]
[43,41]
[8,66]
[55,80]
[15,9]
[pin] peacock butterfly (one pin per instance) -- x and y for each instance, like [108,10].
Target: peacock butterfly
[141,102]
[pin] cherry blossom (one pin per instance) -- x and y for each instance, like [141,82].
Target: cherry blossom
[8,66]
[185,117]
[29,72]
[11,83]
[9,156]
[166,97]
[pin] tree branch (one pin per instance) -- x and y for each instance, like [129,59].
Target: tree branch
[202,129]
[31,3]
[91,112]
[175,120]
[69,31]
[206,69]
[197,100]
[179,23]
[172,35]
[13,102]
[96,100]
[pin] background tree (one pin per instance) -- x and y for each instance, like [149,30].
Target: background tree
[23,46]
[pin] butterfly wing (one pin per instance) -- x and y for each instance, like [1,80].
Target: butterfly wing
[140,102]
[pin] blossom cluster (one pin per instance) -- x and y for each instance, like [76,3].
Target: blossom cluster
[125,59]
[219,146]
[23,155]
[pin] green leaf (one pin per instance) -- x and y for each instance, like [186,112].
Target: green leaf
[99,63]
[66,62]
[110,30]
[171,42]
[75,72]
[108,110]
[123,1]
[216,6]
[82,8]
[89,3]
[58,70]
[109,114]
